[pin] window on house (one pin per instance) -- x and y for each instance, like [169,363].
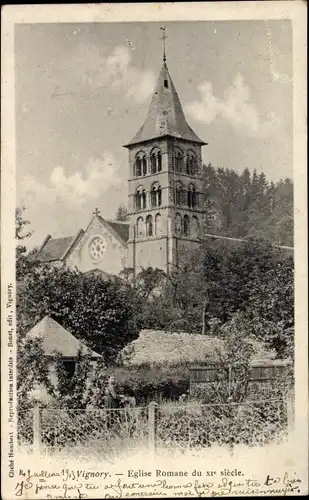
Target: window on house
[166,84]
[69,366]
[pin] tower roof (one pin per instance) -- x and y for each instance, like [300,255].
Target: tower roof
[165,115]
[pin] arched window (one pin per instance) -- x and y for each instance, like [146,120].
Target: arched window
[140,227]
[195,227]
[178,160]
[140,198]
[138,167]
[191,163]
[194,197]
[179,194]
[186,225]
[149,225]
[140,164]
[153,161]
[178,225]
[156,160]
[153,197]
[156,195]
[191,196]
[158,225]
[138,201]
[159,159]
[144,164]
[143,204]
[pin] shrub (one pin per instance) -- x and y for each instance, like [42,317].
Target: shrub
[153,382]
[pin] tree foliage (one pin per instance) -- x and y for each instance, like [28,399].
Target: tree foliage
[246,204]
[122,214]
[252,278]
[33,368]
[97,311]
[24,258]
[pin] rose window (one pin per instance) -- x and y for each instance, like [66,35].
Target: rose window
[97,248]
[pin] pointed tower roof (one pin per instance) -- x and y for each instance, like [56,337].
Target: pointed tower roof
[165,115]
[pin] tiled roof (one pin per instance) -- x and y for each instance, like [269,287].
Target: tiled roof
[165,115]
[121,228]
[55,337]
[157,346]
[54,248]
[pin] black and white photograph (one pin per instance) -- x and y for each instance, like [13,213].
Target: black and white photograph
[154,291]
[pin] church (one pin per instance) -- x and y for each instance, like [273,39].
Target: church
[165,198]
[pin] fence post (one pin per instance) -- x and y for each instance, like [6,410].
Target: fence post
[290,408]
[37,428]
[152,426]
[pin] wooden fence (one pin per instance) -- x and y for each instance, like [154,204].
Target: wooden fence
[261,372]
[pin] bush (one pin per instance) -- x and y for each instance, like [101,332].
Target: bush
[153,382]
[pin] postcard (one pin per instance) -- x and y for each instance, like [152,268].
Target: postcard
[154,289]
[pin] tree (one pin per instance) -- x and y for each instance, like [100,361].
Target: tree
[33,370]
[71,392]
[24,259]
[246,204]
[122,214]
[232,369]
[21,224]
[97,311]
[225,278]
[255,278]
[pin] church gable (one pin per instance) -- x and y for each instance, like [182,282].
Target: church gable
[102,247]
[56,249]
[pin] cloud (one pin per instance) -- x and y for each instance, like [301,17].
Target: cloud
[65,202]
[74,190]
[114,70]
[236,108]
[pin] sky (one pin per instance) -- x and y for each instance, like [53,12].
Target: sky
[83,90]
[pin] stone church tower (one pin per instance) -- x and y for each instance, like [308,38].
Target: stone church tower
[165,186]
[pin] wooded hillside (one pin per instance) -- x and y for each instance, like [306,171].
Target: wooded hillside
[247,204]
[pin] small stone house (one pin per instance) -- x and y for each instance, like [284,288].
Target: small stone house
[57,338]
[201,352]
[159,347]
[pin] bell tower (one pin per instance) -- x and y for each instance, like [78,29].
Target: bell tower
[165,187]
